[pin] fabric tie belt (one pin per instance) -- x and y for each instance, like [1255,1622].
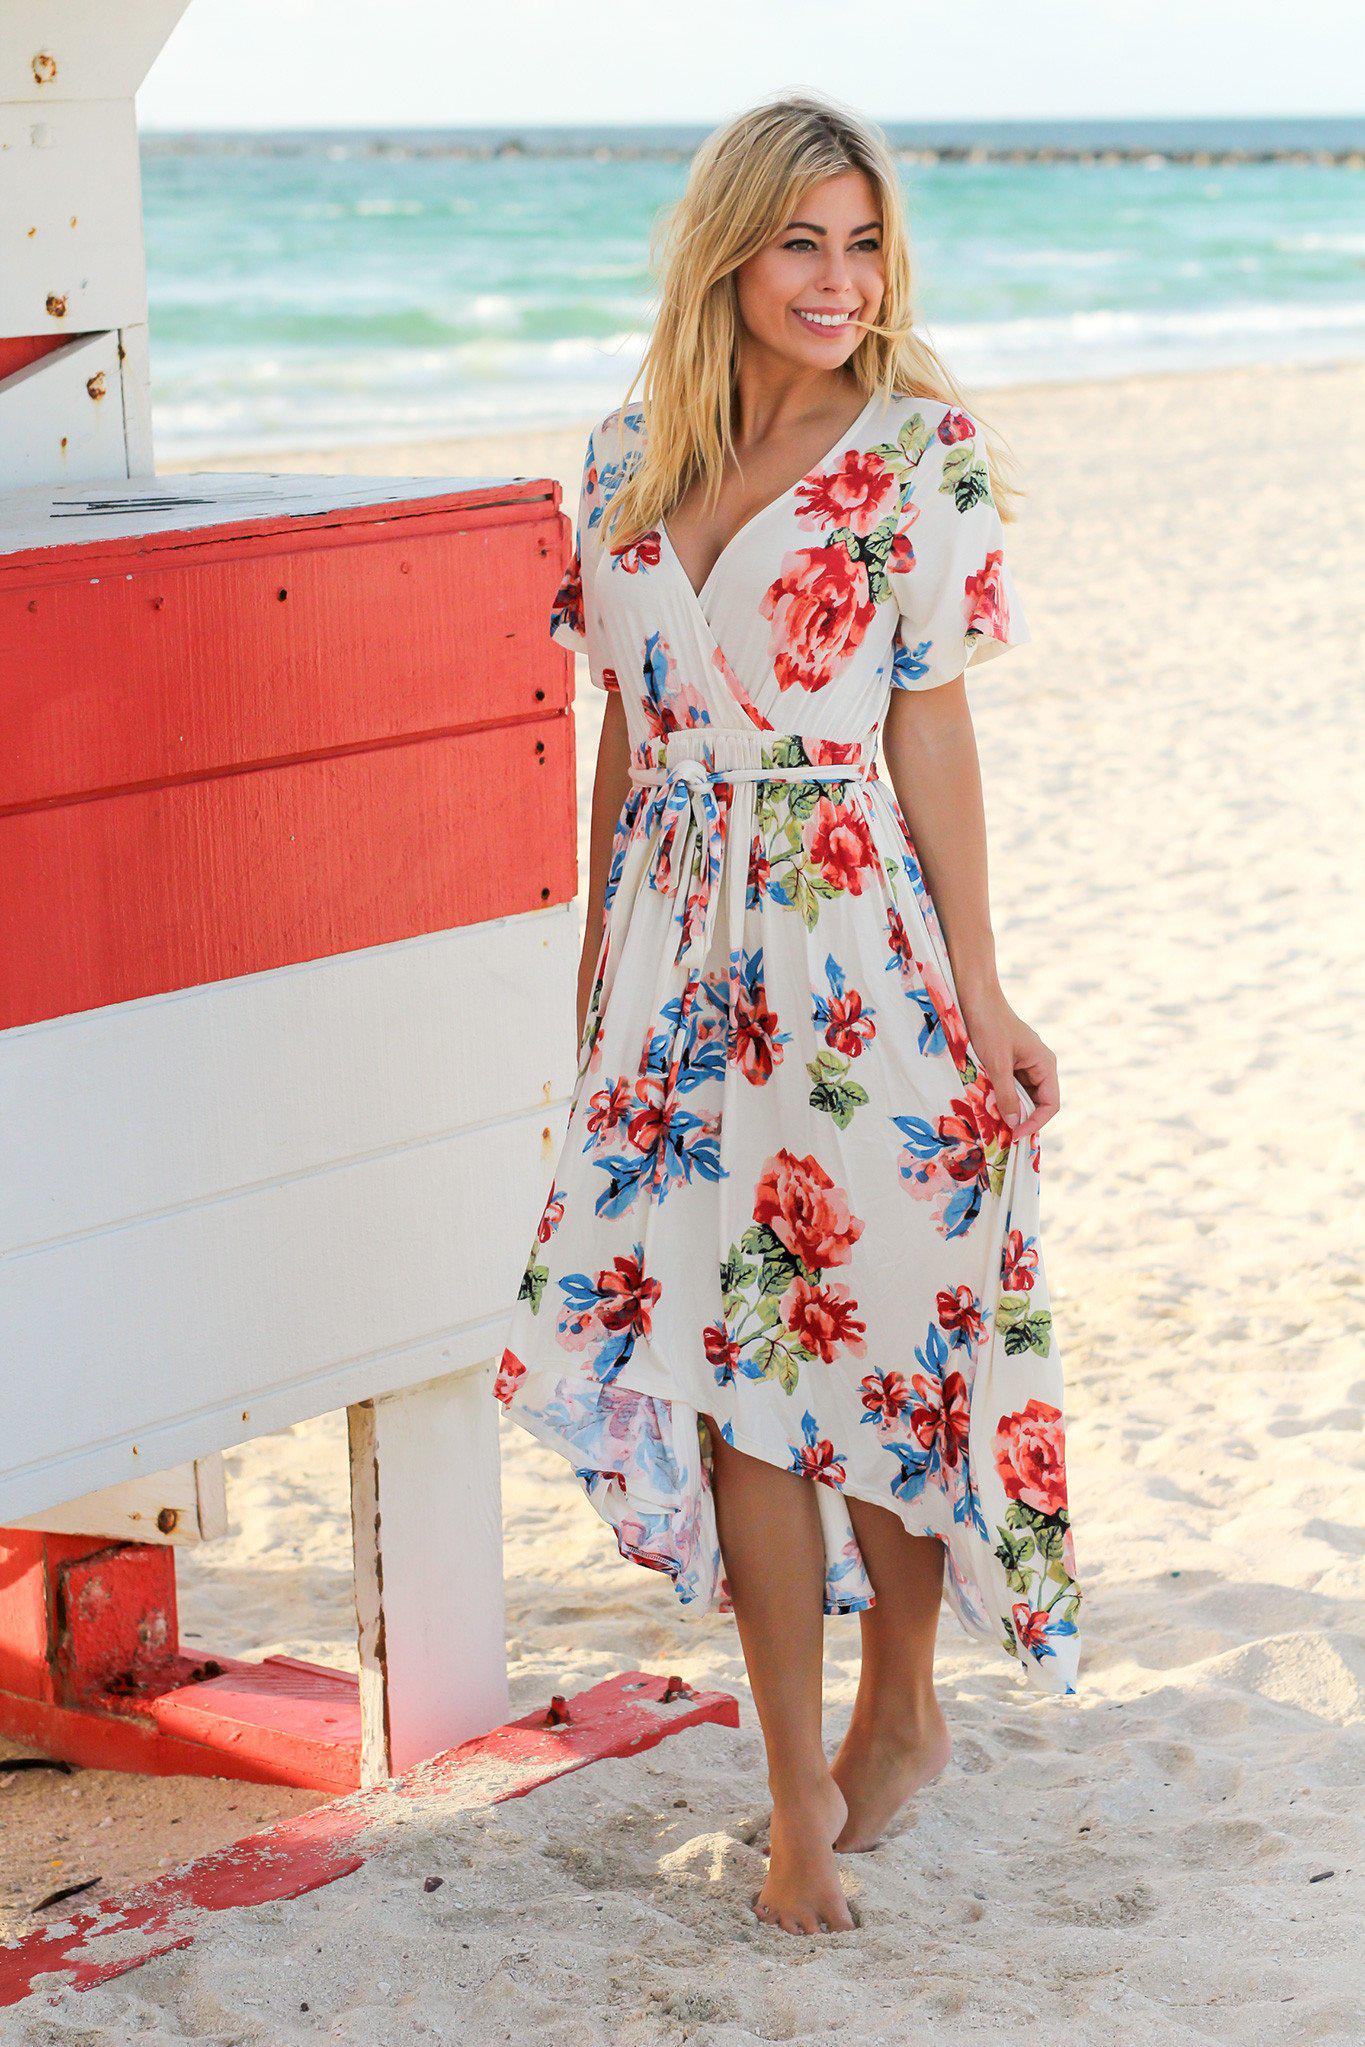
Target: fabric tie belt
[688,789]
[692,821]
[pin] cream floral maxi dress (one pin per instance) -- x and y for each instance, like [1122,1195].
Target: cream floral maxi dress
[786,1199]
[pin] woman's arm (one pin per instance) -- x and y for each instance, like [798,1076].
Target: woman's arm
[611,785]
[932,760]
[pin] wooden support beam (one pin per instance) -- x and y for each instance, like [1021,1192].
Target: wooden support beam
[426,1521]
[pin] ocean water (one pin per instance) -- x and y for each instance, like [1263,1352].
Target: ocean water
[308,290]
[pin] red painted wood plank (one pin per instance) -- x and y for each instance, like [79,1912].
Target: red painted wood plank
[18,351]
[180,662]
[623,1716]
[126,896]
[293,1722]
[491,503]
[280,1723]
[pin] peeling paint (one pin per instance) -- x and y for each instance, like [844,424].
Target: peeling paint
[55,305]
[95,385]
[44,67]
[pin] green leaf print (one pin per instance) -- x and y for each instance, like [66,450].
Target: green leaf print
[532,1286]
[778,1360]
[966,476]
[779,1266]
[786,752]
[735,1274]
[809,890]
[1022,1330]
[803,799]
[833,1093]
[902,455]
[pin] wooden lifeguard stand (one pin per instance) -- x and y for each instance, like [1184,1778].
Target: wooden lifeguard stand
[287,946]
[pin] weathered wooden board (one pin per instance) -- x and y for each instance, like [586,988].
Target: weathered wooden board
[190,1331]
[426,1516]
[123,1113]
[63,414]
[80,49]
[187,1504]
[71,257]
[171,887]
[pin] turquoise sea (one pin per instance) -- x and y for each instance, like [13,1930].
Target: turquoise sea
[316,288]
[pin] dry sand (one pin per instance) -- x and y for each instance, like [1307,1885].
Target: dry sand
[1167,1857]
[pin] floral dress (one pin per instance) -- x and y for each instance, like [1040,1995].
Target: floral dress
[787,1205]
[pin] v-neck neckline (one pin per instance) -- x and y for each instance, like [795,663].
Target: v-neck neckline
[699,595]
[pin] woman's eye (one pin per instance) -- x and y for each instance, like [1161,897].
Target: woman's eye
[800,242]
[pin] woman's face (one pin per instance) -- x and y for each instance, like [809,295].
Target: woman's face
[807,294]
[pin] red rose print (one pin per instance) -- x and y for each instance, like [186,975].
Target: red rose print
[985,606]
[568,600]
[820,609]
[609,1108]
[886,1395]
[960,1309]
[551,1216]
[806,1211]
[627,1296]
[722,1351]
[941,1415]
[834,753]
[1030,1456]
[1030,1626]
[1018,1264]
[956,426]
[838,839]
[755,1048]
[823,1318]
[848,1030]
[643,553]
[510,1370]
[858,493]
[975,1124]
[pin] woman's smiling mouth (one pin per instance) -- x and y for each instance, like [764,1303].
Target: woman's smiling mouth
[823,323]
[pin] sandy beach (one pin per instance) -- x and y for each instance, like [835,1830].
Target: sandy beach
[1172,770]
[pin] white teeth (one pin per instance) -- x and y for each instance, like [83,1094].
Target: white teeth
[824,319]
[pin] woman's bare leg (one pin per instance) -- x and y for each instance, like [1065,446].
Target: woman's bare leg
[770,1538]
[897,1738]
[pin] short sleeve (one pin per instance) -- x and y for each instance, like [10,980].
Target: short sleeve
[568,612]
[958,604]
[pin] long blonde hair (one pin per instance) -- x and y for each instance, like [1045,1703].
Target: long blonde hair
[743,186]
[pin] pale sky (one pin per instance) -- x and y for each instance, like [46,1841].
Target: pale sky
[437,63]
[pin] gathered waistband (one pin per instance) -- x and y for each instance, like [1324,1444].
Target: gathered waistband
[699,755]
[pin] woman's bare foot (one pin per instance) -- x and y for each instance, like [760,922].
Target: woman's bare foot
[879,1768]
[803,1893]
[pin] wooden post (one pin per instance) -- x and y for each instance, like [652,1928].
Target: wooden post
[426,1521]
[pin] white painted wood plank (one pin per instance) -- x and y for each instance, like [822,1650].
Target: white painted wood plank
[62,416]
[427,1530]
[184,1505]
[71,257]
[80,49]
[210,1496]
[144,1107]
[185,1333]
[137,401]
[48,517]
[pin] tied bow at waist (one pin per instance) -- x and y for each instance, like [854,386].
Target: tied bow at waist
[687,820]
[687,794]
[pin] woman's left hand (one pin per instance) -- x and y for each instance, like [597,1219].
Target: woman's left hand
[1011,1050]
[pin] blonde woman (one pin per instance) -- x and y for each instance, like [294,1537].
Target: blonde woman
[785,1313]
